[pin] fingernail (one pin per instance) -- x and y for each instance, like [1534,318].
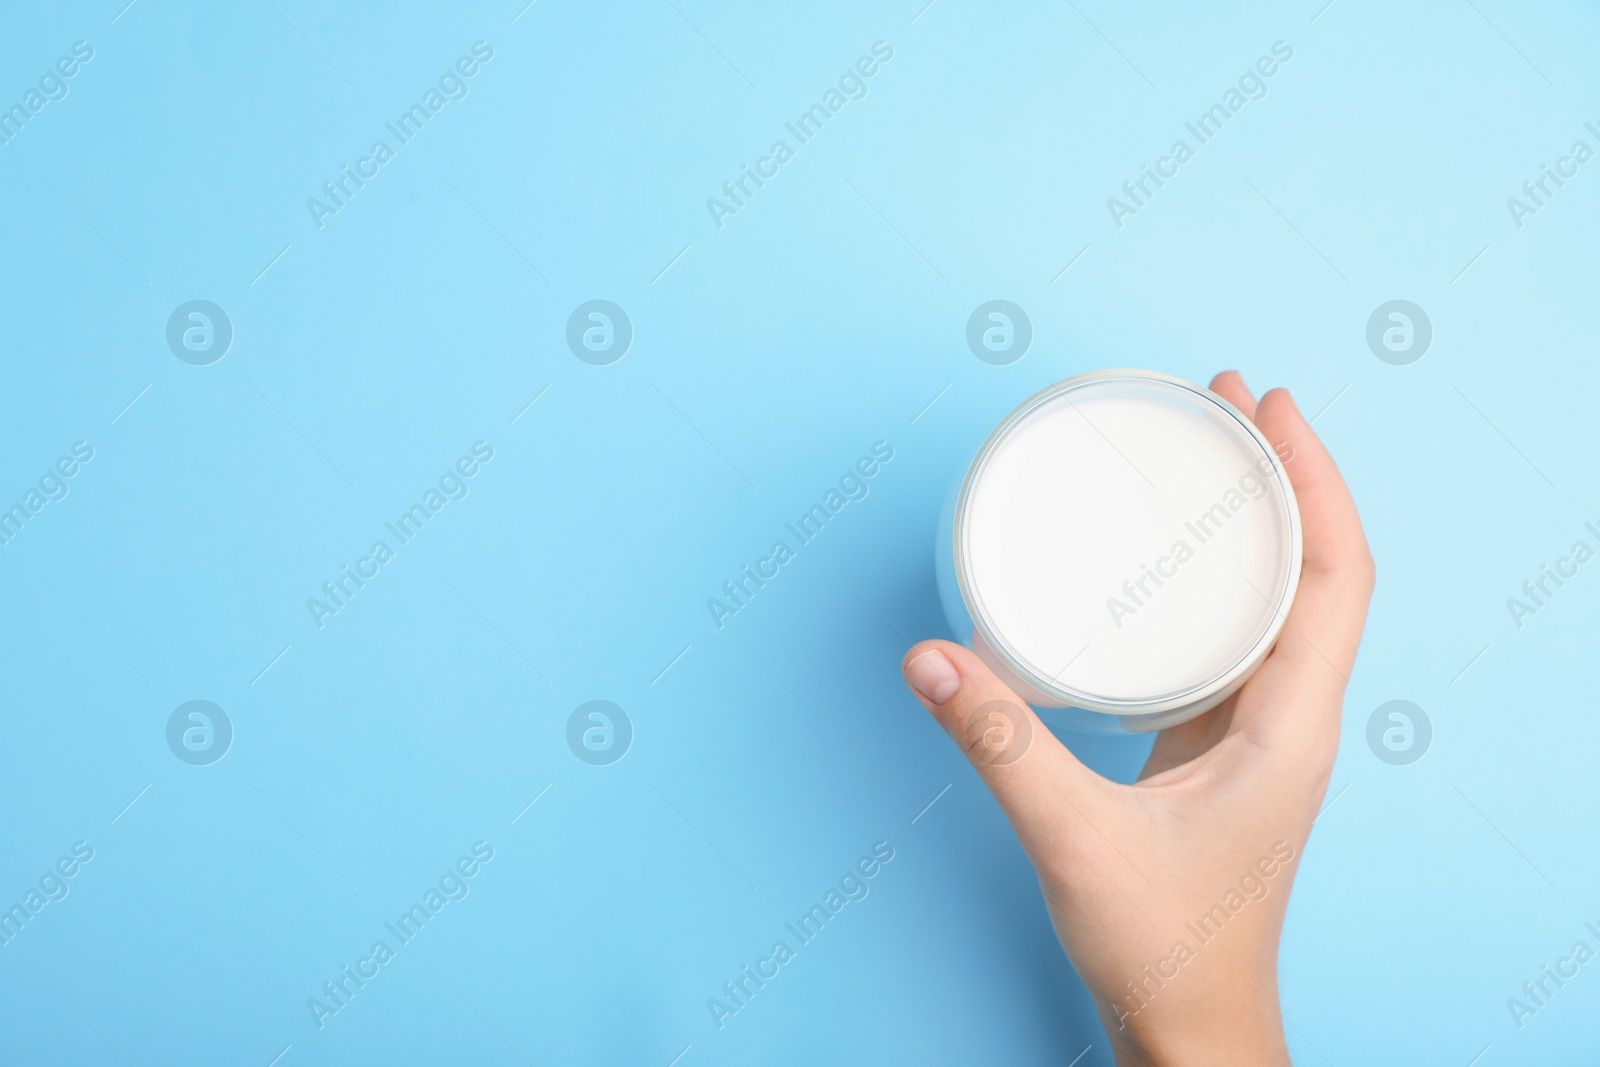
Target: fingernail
[933,675]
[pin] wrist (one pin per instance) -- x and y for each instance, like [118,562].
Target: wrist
[1237,1035]
[1234,1049]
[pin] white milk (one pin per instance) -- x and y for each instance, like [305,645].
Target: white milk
[1127,543]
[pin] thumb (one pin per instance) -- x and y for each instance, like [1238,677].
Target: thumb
[1025,767]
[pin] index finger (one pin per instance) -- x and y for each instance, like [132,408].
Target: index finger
[1323,630]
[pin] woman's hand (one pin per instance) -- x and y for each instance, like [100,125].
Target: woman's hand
[1169,895]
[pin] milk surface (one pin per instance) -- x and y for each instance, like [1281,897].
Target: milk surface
[1128,539]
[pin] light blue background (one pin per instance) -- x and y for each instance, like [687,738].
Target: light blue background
[820,319]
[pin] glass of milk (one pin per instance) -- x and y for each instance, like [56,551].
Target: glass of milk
[1122,550]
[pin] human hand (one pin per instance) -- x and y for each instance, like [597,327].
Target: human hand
[1169,894]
